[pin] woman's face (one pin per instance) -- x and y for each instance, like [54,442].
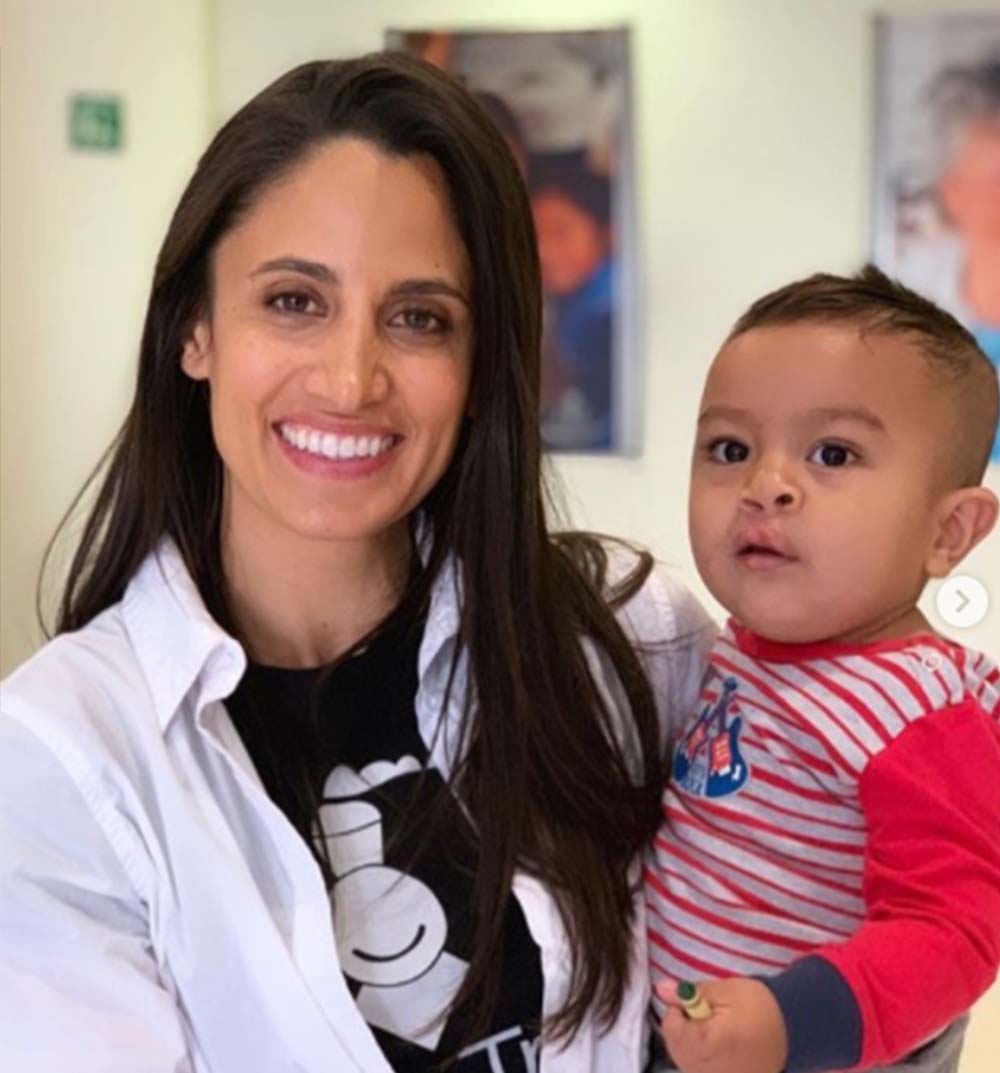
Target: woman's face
[337,348]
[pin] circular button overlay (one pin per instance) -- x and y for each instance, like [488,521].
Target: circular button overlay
[962,601]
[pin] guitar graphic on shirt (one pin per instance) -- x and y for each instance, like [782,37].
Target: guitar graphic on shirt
[708,760]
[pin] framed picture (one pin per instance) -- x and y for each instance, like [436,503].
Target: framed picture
[562,102]
[937,165]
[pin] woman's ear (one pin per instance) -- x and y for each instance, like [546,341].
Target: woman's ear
[196,355]
[963,518]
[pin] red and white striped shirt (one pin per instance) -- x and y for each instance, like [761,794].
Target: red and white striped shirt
[844,801]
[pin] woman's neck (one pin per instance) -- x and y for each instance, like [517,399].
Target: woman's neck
[303,602]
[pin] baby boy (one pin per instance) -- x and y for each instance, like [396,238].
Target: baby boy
[828,868]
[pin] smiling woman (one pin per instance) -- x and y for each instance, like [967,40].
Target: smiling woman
[338,375]
[339,759]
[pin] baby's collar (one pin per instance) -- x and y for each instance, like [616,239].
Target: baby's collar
[757,647]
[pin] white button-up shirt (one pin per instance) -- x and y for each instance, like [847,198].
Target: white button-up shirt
[158,913]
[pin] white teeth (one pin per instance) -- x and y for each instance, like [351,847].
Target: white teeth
[330,445]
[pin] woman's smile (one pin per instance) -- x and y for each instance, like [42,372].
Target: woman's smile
[337,454]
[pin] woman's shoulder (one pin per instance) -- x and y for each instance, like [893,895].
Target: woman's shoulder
[128,671]
[651,601]
[77,747]
[671,631]
[661,608]
[83,692]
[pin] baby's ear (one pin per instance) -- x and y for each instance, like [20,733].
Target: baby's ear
[962,519]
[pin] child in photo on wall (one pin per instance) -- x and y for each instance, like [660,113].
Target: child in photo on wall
[828,866]
[572,211]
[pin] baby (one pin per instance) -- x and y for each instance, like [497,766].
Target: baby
[828,869]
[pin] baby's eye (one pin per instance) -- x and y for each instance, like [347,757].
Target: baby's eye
[728,451]
[832,455]
[294,303]
[419,320]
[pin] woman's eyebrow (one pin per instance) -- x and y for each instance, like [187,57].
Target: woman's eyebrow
[431,286]
[323,274]
[314,269]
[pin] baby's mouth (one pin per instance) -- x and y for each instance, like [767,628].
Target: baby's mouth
[763,553]
[761,549]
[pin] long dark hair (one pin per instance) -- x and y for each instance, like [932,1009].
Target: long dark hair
[547,777]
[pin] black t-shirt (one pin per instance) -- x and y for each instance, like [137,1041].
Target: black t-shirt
[401,893]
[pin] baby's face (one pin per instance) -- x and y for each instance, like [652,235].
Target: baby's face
[812,491]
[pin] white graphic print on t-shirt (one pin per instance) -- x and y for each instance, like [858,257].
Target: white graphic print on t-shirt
[390,927]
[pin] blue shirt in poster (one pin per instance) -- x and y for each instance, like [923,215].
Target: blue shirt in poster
[583,332]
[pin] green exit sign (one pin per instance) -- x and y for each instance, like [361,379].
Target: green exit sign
[95,122]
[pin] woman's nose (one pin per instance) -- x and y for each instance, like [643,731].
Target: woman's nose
[349,374]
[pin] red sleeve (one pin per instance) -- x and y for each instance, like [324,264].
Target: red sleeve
[930,942]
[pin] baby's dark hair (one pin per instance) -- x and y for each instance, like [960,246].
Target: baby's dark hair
[880,305]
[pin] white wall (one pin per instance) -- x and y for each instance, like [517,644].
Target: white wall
[80,234]
[753,162]
[753,142]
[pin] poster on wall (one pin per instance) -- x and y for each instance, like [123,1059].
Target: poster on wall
[937,165]
[562,102]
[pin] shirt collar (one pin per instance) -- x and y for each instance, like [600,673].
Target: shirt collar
[757,647]
[180,647]
[443,616]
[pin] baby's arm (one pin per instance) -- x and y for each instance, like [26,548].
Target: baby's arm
[930,942]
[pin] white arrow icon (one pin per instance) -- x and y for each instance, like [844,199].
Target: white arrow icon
[962,601]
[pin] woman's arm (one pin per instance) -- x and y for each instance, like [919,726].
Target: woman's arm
[79,985]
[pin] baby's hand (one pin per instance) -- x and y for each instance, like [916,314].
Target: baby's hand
[744,1034]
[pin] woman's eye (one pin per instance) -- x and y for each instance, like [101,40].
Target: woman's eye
[728,451]
[832,455]
[419,320]
[294,302]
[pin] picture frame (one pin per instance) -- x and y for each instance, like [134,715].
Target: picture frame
[562,100]
[936,209]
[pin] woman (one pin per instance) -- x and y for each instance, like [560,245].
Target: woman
[317,646]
